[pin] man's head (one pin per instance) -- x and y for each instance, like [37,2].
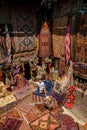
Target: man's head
[40,79]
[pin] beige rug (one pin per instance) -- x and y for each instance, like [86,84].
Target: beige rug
[6,100]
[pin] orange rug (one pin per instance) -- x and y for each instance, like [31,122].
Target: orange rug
[46,122]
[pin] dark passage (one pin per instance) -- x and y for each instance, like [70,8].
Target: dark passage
[27,71]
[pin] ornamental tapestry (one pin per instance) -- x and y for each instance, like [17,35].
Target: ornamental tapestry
[23,20]
[59,32]
[45,41]
[80,47]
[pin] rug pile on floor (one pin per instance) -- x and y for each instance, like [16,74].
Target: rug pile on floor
[54,121]
[40,118]
[12,100]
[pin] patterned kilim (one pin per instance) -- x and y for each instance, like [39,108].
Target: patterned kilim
[47,122]
[24,105]
[34,114]
[24,24]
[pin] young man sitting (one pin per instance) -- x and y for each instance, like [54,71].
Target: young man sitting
[41,86]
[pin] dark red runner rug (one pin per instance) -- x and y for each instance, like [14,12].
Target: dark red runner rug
[10,124]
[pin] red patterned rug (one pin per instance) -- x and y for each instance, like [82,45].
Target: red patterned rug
[66,121]
[10,124]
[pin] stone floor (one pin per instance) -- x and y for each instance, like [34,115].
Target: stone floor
[79,111]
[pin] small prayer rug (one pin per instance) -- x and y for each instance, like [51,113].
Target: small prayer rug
[10,124]
[47,122]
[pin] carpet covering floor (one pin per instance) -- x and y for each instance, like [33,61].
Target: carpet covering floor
[26,115]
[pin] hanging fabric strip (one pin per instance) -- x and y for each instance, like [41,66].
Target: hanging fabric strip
[67,45]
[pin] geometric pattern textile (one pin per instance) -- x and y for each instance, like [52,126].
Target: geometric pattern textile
[34,114]
[26,29]
[45,41]
[47,122]
[26,41]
